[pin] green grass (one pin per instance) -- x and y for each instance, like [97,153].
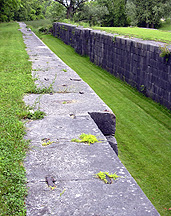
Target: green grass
[145,34]
[143,127]
[15,79]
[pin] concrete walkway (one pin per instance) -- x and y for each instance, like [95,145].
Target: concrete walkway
[70,167]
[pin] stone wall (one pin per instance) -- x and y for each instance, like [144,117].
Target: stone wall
[135,61]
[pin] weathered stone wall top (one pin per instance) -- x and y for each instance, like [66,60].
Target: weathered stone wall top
[135,61]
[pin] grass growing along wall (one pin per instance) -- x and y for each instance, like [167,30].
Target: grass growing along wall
[143,33]
[143,127]
[15,79]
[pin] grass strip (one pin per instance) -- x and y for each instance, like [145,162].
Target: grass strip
[143,128]
[143,33]
[15,79]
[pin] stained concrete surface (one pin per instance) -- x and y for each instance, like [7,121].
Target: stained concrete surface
[72,165]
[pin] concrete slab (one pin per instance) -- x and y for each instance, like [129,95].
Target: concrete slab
[73,165]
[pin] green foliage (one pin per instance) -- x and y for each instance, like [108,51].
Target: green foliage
[71,6]
[131,13]
[166,25]
[7,9]
[31,114]
[55,11]
[103,13]
[45,29]
[86,138]
[38,24]
[30,10]
[147,13]
[143,127]
[92,13]
[103,176]
[16,79]
[165,53]
[116,12]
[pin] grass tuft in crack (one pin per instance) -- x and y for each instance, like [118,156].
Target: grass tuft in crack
[31,114]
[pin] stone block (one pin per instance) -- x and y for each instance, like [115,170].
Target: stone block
[113,143]
[106,122]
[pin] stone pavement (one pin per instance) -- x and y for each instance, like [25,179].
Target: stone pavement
[72,166]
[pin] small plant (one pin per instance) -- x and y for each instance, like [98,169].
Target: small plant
[165,53]
[106,177]
[86,138]
[114,38]
[64,70]
[65,102]
[36,69]
[47,143]
[143,89]
[31,114]
[62,192]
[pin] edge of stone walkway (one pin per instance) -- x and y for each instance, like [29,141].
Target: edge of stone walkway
[72,109]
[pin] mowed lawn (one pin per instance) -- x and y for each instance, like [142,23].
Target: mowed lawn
[143,33]
[143,127]
[15,79]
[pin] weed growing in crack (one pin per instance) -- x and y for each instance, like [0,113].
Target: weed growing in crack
[86,138]
[31,114]
[47,143]
[45,89]
[62,192]
[106,177]
[165,52]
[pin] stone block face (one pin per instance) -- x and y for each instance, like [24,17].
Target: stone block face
[135,61]
[105,121]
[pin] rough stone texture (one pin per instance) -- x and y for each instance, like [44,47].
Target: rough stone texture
[105,121]
[72,166]
[113,143]
[135,61]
